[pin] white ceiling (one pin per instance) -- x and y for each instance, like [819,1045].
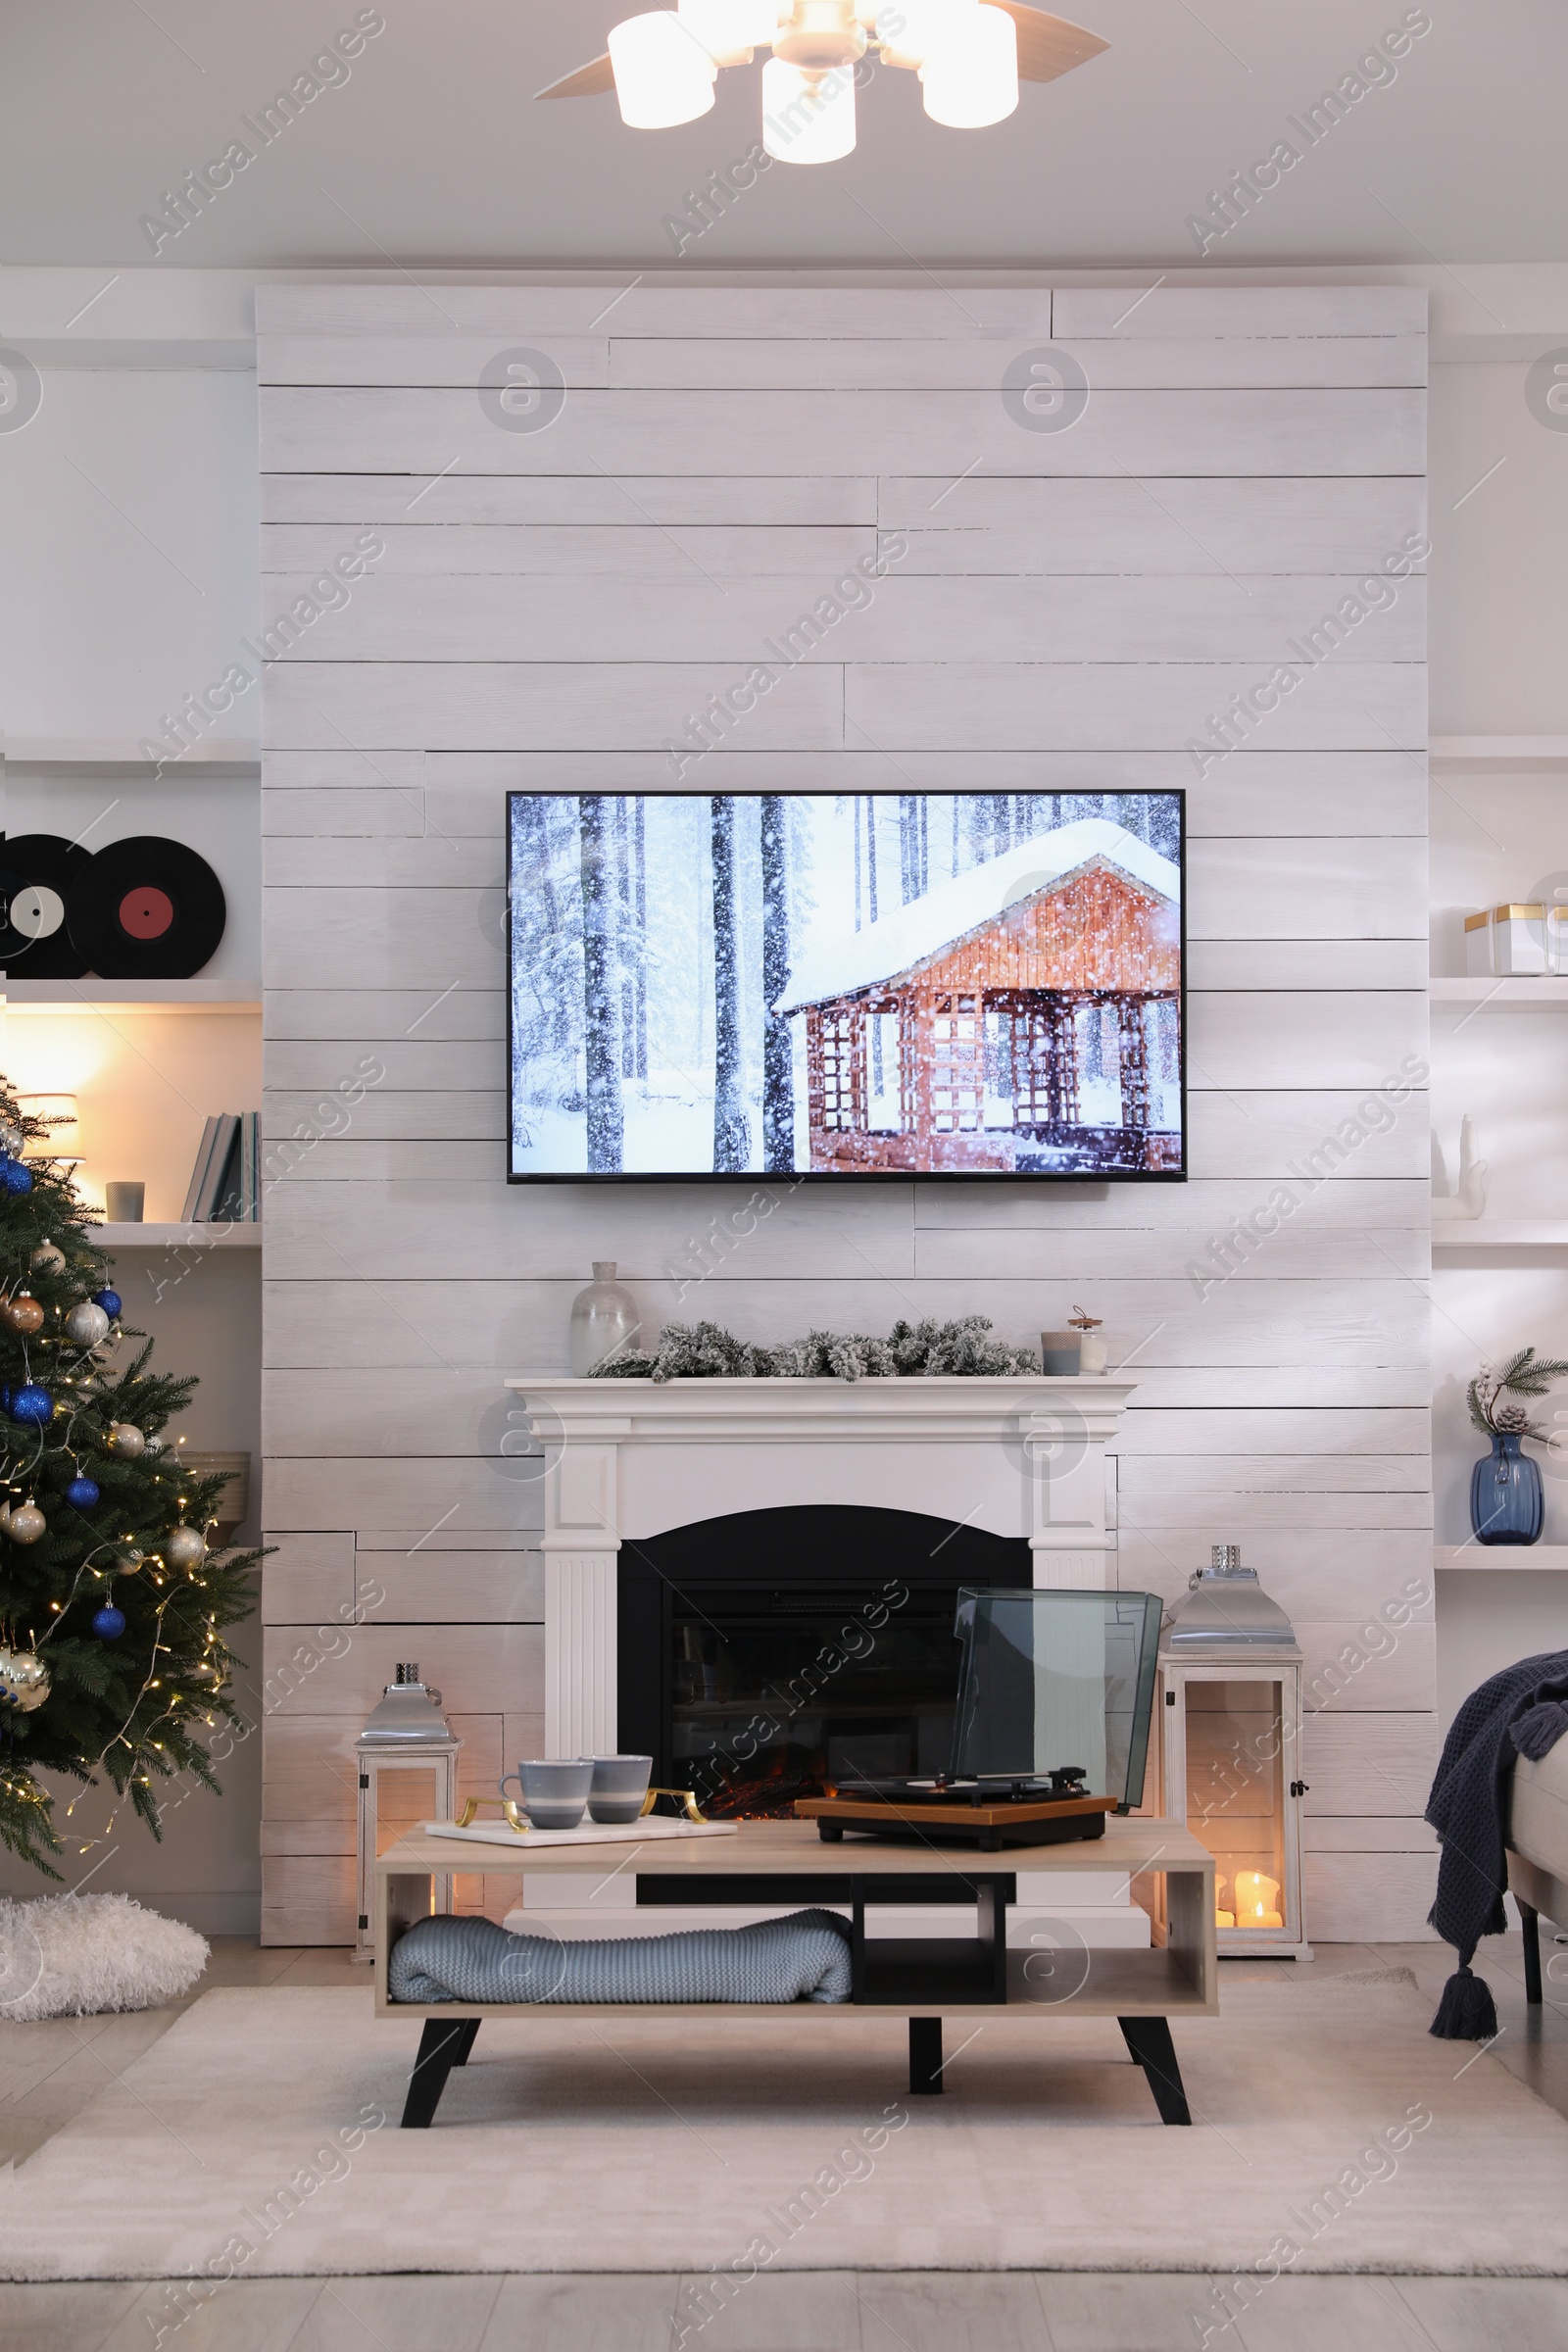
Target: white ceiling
[433,153]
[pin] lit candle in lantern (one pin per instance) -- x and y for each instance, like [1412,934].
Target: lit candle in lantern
[1222,1918]
[1256,1899]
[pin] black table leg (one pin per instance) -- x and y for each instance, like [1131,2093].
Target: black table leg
[1530,1921]
[925,2056]
[470,2030]
[439,2045]
[1148,2039]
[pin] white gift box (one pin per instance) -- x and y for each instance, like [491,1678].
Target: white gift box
[1510,941]
[1478,945]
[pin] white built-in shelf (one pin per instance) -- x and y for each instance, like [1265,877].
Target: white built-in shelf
[116,755]
[1499,1233]
[1485,751]
[1491,1556]
[169,1236]
[93,996]
[1548,995]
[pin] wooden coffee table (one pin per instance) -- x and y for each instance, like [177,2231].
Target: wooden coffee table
[924,1979]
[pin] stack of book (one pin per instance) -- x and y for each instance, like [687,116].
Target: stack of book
[225,1182]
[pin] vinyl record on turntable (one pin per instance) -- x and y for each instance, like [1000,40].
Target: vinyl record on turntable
[146,908]
[36,873]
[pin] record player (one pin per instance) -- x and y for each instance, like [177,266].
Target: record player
[1044,1677]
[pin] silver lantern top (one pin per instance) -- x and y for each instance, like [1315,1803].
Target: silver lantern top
[1226,1609]
[409,1715]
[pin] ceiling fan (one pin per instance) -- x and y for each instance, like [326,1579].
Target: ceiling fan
[970,56]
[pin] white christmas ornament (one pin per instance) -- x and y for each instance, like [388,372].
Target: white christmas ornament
[86,1324]
[23,1680]
[27,1524]
[48,1258]
[126,1440]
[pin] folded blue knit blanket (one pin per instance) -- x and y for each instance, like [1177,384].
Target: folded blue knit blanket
[804,1958]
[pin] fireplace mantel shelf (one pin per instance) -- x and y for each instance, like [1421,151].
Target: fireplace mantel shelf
[943,1408]
[1021,1454]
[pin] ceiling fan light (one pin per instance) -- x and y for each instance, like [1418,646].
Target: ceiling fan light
[910,29]
[662,76]
[806,117]
[729,29]
[971,79]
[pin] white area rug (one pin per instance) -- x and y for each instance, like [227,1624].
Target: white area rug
[246,2139]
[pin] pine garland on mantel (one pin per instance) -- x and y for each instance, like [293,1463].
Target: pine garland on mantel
[910,1351]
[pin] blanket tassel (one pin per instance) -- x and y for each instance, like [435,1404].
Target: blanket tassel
[1467,2011]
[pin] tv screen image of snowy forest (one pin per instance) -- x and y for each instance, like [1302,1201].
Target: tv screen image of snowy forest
[844,985]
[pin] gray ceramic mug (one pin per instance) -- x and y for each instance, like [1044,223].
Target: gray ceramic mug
[553,1790]
[620,1786]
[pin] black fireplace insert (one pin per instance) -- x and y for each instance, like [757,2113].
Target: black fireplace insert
[770,1654]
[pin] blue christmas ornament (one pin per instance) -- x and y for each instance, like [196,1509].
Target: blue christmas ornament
[82,1494]
[109,1300]
[109,1623]
[13,1175]
[31,1404]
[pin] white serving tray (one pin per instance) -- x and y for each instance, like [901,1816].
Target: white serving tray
[589,1832]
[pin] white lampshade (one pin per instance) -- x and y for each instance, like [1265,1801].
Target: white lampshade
[970,77]
[730,30]
[806,117]
[65,1125]
[910,29]
[662,76]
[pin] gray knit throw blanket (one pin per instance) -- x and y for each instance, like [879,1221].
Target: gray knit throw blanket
[804,1957]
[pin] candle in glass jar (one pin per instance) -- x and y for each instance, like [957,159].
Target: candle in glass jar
[1257,1898]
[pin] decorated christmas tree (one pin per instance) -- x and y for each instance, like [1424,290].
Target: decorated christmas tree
[113,1609]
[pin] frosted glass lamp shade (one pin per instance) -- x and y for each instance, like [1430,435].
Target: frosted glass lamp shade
[909,31]
[971,76]
[663,74]
[729,29]
[806,117]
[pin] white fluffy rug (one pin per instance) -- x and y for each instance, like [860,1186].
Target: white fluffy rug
[1334,2134]
[74,1955]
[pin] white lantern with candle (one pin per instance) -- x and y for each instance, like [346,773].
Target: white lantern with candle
[1230,1710]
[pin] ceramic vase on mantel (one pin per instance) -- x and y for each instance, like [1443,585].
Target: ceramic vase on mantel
[604,1319]
[1507,1504]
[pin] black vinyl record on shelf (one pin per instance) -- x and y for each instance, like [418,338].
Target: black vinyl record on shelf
[37,872]
[146,908]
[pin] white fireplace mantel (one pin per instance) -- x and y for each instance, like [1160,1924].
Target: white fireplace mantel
[1018,1454]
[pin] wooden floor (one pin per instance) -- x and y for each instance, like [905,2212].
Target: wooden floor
[49,2073]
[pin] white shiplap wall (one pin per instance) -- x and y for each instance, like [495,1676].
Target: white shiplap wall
[1072,608]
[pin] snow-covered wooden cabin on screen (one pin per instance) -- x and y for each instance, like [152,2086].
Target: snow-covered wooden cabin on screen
[1024,1015]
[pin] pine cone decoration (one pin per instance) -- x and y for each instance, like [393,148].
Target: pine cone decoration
[1511,1420]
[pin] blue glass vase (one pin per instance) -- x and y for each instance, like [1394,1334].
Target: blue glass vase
[1506,1505]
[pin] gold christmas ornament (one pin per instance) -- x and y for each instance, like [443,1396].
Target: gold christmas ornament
[23,1680]
[23,1313]
[130,1560]
[48,1258]
[126,1440]
[25,1524]
[184,1547]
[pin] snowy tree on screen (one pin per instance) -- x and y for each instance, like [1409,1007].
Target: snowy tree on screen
[732,1134]
[778,1052]
[600,989]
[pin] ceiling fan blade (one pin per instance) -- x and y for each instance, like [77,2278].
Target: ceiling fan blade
[591,81]
[1049,45]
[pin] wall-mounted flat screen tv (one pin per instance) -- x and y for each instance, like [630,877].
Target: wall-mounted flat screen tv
[845,985]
